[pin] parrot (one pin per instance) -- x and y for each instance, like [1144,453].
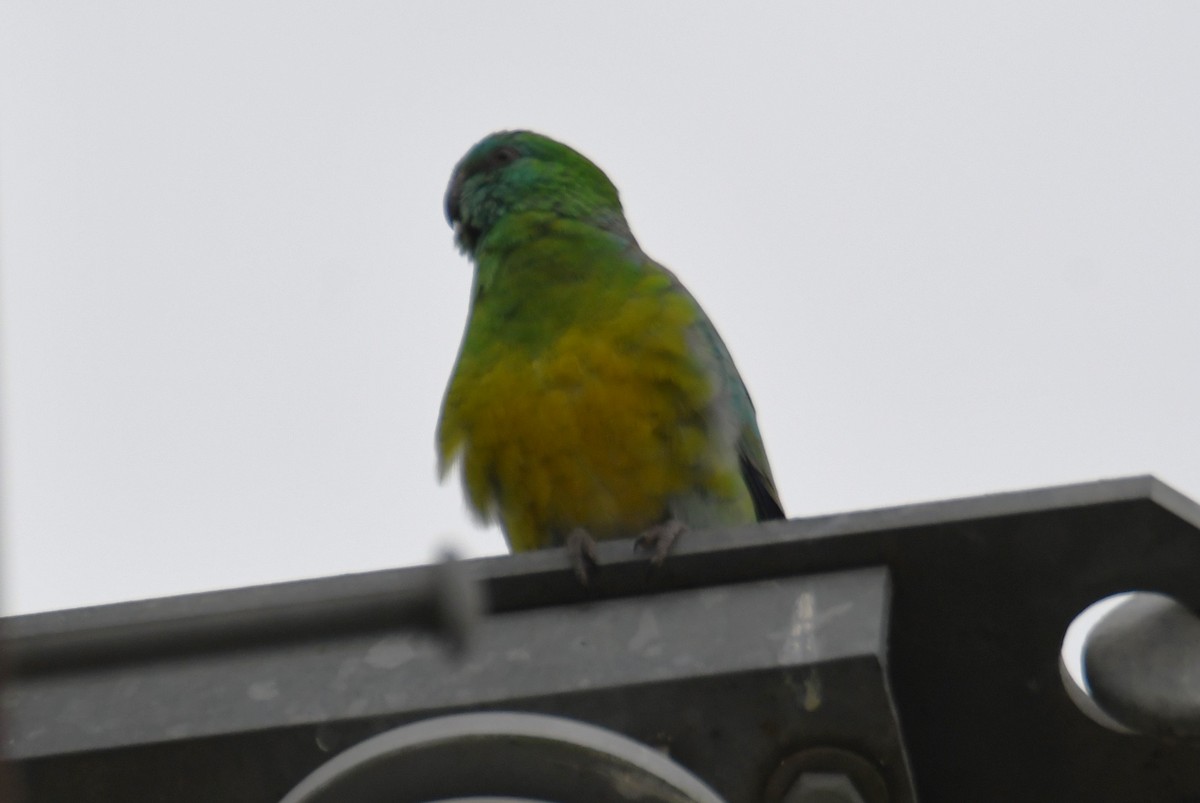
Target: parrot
[591,398]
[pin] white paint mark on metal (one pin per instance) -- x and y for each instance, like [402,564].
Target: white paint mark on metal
[390,653]
[647,639]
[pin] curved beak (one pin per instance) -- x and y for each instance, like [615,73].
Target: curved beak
[453,193]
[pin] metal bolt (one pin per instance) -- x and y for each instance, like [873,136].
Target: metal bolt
[823,787]
[826,775]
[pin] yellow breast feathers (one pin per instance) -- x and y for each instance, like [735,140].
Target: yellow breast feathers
[600,429]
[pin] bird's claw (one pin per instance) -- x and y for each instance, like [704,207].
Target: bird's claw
[658,539]
[581,550]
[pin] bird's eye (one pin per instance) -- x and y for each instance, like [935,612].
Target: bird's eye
[505,155]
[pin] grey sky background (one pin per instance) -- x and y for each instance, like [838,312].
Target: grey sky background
[954,249]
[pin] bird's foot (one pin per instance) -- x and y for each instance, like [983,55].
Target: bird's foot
[581,550]
[658,539]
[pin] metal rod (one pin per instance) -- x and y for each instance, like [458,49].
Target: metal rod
[444,602]
[1142,662]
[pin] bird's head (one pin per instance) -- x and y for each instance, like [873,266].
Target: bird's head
[518,171]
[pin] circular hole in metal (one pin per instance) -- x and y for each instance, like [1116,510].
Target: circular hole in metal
[1070,659]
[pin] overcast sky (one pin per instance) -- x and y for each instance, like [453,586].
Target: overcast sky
[954,250]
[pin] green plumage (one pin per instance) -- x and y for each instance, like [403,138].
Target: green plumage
[591,393]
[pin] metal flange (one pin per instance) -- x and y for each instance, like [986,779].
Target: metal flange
[501,755]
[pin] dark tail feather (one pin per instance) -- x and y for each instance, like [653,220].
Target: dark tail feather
[762,491]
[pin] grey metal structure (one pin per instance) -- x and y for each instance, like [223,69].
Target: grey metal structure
[888,655]
[518,754]
[1143,666]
